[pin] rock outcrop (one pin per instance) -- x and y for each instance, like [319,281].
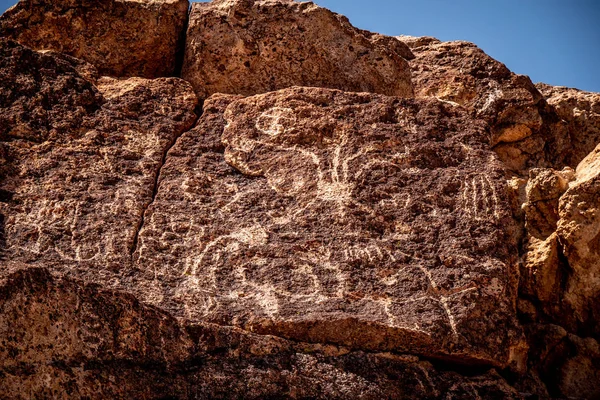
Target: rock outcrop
[320,212]
[256,46]
[122,38]
[579,114]
[73,340]
[521,123]
[307,225]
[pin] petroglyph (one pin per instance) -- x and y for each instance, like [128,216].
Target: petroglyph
[479,198]
[331,204]
[276,121]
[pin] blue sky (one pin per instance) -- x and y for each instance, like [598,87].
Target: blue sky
[554,41]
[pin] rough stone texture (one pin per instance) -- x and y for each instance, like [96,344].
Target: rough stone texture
[543,271]
[461,73]
[561,273]
[569,364]
[120,37]
[80,161]
[579,232]
[309,226]
[560,278]
[69,340]
[255,46]
[89,308]
[580,115]
[302,243]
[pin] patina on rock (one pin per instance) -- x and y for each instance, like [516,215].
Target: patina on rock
[120,37]
[255,46]
[341,218]
[304,242]
[64,339]
[98,286]
[80,160]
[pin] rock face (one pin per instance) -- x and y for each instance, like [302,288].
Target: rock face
[240,236]
[80,160]
[461,73]
[255,46]
[79,341]
[120,37]
[579,113]
[307,225]
[579,232]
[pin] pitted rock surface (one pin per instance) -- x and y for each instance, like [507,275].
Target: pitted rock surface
[579,232]
[120,37]
[63,339]
[298,243]
[79,178]
[462,73]
[81,161]
[340,218]
[254,46]
[579,112]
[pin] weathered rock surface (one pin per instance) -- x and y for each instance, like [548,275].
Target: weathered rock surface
[309,225]
[80,161]
[560,288]
[461,73]
[298,243]
[568,364]
[579,232]
[63,339]
[254,46]
[579,112]
[121,38]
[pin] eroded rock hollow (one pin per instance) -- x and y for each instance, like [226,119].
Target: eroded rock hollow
[276,204]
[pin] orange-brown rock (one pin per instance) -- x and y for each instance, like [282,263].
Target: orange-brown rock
[121,38]
[579,232]
[63,339]
[568,363]
[579,112]
[461,73]
[300,242]
[255,46]
[80,159]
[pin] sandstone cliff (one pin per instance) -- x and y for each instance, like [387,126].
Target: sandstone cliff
[276,204]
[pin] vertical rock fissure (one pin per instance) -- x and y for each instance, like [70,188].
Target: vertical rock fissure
[156,184]
[182,40]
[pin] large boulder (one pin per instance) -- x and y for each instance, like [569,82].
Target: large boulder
[63,339]
[336,217]
[255,46]
[121,38]
[579,232]
[117,220]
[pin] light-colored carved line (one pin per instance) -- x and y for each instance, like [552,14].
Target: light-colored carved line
[444,301]
[475,197]
[393,320]
[353,157]
[197,262]
[237,197]
[276,114]
[372,163]
[436,393]
[496,200]
[77,257]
